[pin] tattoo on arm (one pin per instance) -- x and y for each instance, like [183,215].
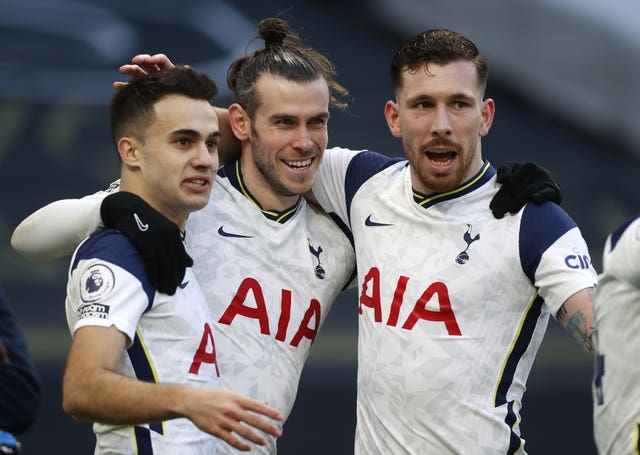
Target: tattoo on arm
[577,326]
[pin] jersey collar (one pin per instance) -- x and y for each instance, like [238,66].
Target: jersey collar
[233,172]
[483,175]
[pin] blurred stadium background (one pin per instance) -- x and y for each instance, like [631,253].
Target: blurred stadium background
[563,74]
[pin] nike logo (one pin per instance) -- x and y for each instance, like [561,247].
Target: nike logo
[183,285]
[369,222]
[143,227]
[224,233]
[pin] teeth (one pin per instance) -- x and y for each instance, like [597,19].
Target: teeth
[441,157]
[197,181]
[299,164]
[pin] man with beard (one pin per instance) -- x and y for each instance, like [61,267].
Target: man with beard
[284,261]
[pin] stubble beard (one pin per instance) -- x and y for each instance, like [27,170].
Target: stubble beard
[268,169]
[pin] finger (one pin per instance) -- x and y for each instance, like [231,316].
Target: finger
[233,441]
[247,433]
[150,260]
[548,193]
[153,63]
[505,170]
[261,424]
[132,71]
[262,408]
[140,59]
[118,85]
[162,61]
[146,62]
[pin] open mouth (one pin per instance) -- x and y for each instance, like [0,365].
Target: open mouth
[195,182]
[298,164]
[441,157]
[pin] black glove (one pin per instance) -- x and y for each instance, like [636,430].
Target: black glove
[157,238]
[522,183]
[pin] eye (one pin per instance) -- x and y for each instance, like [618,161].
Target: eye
[319,122]
[423,105]
[285,121]
[183,141]
[212,144]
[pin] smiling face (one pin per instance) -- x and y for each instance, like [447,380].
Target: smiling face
[284,142]
[173,169]
[441,117]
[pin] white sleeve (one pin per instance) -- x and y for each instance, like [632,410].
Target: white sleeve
[329,185]
[56,229]
[624,261]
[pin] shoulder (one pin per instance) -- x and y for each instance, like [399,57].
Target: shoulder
[621,252]
[544,222]
[543,225]
[112,247]
[630,229]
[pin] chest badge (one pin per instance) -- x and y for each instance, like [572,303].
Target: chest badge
[320,273]
[463,256]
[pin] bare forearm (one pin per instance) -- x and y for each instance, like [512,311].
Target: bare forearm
[576,316]
[105,396]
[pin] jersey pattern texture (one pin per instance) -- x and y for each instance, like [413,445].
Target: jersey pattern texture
[616,385]
[170,338]
[453,304]
[270,278]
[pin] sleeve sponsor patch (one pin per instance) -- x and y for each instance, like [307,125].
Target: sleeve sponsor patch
[93,311]
[96,283]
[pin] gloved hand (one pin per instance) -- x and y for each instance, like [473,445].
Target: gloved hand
[157,238]
[522,183]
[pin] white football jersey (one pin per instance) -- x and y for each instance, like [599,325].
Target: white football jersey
[171,338]
[270,280]
[453,304]
[616,387]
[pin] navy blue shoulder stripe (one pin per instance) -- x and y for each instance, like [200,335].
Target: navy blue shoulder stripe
[362,167]
[541,225]
[344,228]
[617,233]
[112,246]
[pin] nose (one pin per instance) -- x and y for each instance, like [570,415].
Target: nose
[302,140]
[441,125]
[205,157]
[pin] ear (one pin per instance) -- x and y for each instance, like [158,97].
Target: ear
[393,117]
[240,122]
[488,111]
[129,149]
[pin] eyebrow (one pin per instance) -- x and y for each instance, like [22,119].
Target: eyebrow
[194,133]
[453,96]
[281,116]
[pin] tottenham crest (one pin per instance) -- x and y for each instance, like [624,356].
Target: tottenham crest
[319,270]
[463,256]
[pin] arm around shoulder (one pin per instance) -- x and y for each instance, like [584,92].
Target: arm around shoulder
[56,229]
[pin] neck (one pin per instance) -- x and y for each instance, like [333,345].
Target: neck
[263,191]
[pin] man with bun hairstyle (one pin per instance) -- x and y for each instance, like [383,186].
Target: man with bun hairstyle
[270,265]
[284,261]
